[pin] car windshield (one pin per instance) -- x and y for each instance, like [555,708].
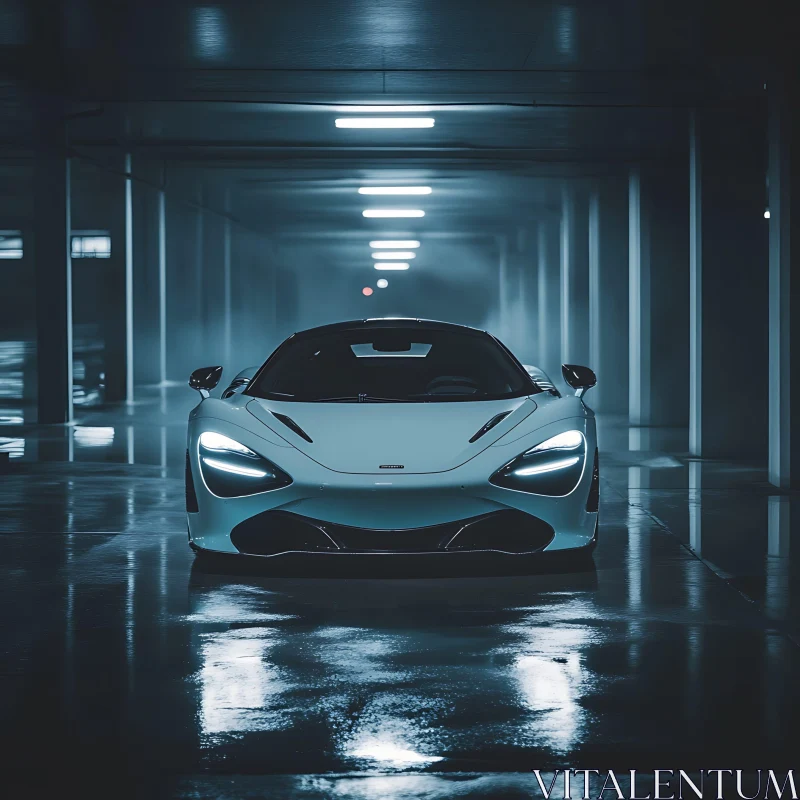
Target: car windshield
[411,365]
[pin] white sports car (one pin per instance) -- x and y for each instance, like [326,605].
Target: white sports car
[391,436]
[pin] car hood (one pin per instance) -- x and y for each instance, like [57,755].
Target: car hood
[412,437]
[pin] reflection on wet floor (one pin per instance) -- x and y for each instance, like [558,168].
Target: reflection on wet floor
[124,656]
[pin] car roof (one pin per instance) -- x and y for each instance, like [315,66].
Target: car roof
[390,322]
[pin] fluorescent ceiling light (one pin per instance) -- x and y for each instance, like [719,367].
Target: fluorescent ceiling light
[391,265]
[385,122]
[393,212]
[395,255]
[383,109]
[394,244]
[395,190]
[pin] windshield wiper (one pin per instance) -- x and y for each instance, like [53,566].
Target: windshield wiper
[360,398]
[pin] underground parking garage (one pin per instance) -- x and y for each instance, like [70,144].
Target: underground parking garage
[397,399]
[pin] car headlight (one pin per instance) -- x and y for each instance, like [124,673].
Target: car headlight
[230,469]
[552,468]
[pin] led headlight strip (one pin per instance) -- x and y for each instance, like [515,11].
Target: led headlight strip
[231,469]
[553,467]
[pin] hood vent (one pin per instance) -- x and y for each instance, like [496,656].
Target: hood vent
[489,425]
[292,426]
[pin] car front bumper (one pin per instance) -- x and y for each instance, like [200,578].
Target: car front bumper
[392,513]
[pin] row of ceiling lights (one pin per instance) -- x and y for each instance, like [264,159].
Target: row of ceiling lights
[391,254]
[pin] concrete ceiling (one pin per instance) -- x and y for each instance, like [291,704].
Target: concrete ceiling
[241,96]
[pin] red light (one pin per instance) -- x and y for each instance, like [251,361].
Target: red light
[366,291]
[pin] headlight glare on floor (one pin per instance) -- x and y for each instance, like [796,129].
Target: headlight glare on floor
[553,467]
[231,469]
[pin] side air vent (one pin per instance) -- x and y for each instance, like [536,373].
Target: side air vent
[541,379]
[292,426]
[235,384]
[489,425]
[191,496]
[593,501]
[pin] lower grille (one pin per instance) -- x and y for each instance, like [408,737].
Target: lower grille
[274,532]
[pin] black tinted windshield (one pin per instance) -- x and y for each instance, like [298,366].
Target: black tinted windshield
[391,365]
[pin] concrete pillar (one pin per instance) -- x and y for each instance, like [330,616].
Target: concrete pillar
[525,291]
[53,263]
[502,288]
[784,283]
[199,281]
[227,352]
[129,393]
[574,278]
[115,303]
[547,271]
[162,284]
[608,296]
[695,291]
[566,272]
[729,286]
[595,329]
[638,303]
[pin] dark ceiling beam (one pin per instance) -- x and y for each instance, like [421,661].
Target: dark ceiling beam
[583,87]
[191,150]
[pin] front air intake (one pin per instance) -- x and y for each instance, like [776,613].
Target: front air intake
[292,425]
[489,425]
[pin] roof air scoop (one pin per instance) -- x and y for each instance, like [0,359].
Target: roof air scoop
[489,425]
[292,426]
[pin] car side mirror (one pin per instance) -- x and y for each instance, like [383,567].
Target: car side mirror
[581,379]
[205,379]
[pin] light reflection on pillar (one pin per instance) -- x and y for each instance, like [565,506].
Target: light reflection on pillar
[163,459]
[162,592]
[696,507]
[634,566]
[695,574]
[130,444]
[70,505]
[162,574]
[778,589]
[130,508]
[130,593]
[69,627]
[638,477]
